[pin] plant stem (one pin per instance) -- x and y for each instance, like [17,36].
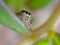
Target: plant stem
[49,25]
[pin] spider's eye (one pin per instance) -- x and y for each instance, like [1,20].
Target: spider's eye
[29,13]
[26,12]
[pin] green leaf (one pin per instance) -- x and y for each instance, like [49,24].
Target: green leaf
[53,38]
[35,4]
[8,20]
[16,5]
[43,42]
[56,39]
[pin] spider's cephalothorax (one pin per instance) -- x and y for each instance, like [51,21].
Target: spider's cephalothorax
[26,17]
